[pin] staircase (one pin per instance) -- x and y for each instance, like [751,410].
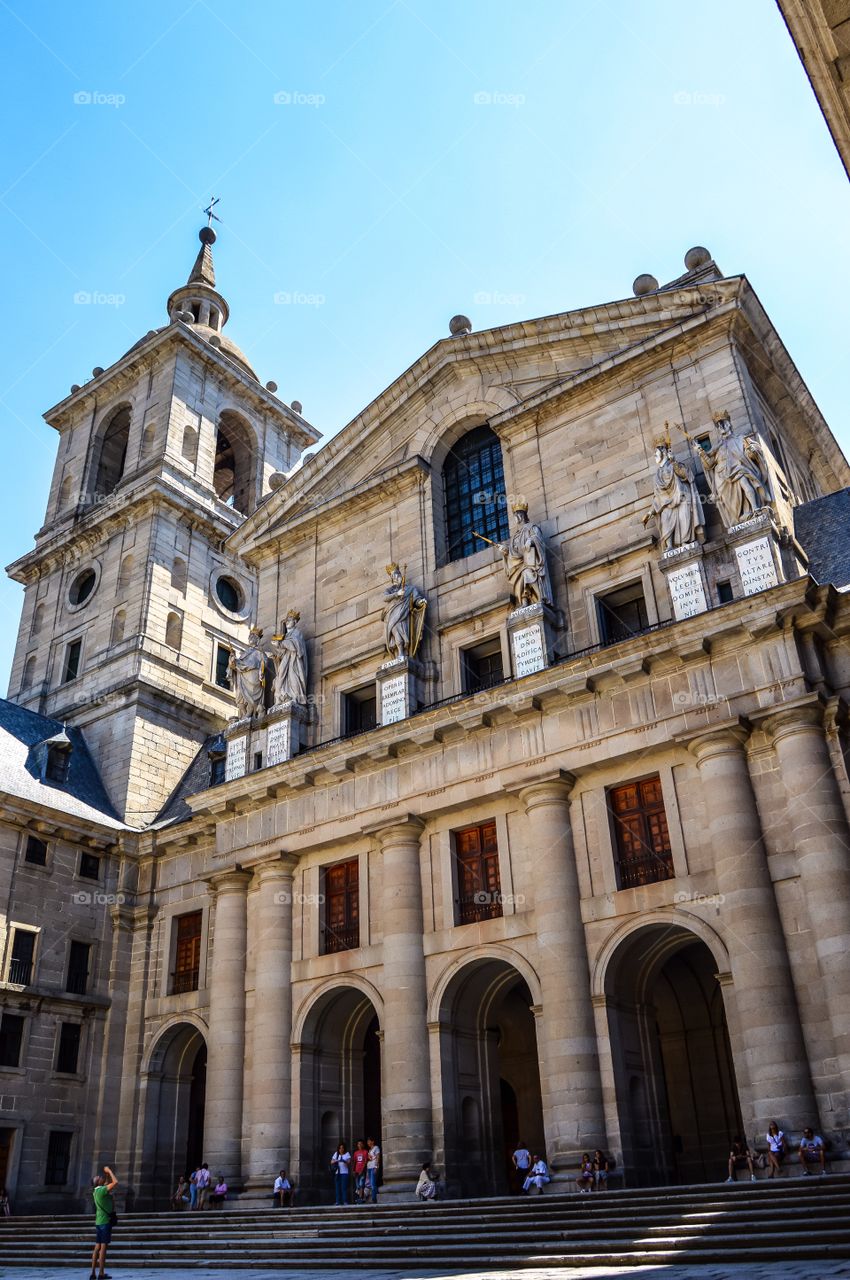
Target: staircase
[794,1218]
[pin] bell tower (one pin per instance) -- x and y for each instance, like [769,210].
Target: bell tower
[132,599]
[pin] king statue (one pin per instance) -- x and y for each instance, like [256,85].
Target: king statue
[738,474]
[289,654]
[524,556]
[403,614]
[247,673]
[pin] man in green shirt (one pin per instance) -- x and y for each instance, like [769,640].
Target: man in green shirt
[104,1208]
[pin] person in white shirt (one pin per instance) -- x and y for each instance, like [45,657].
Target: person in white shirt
[340,1164]
[538,1176]
[775,1149]
[373,1165]
[202,1182]
[812,1152]
[426,1187]
[522,1162]
[283,1189]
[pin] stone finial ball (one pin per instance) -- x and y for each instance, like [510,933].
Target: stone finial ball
[697,257]
[644,284]
[75,386]
[460,325]
[215,340]
[276,481]
[96,371]
[206,235]
[272,387]
[297,406]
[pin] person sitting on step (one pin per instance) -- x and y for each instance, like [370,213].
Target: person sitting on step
[812,1151]
[600,1170]
[426,1187]
[538,1176]
[740,1157]
[775,1149]
[282,1192]
[219,1193]
[584,1177]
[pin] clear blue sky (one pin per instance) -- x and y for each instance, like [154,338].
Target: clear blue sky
[499,159]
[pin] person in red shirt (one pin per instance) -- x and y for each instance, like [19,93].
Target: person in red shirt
[359,1160]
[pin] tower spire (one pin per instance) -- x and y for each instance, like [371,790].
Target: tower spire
[198,301]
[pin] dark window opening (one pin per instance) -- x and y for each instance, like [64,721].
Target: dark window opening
[113,455]
[218,768]
[229,594]
[82,587]
[57,765]
[360,709]
[58,1158]
[11,1039]
[724,592]
[622,613]
[641,835]
[258,761]
[233,464]
[187,952]
[222,658]
[474,493]
[479,895]
[704,443]
[71,666]
[68,1053]
[23,952]
[341,888]
[482,666]
[77,981]
[36,852]
[90,866]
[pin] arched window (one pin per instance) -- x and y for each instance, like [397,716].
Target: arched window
[179,574]
[474,493]
[173,630]
[65,492]
[234,463]
[113,455]
[125,573]
[190,444]
[37,620]
[29,672]
[119,621]
[148,436]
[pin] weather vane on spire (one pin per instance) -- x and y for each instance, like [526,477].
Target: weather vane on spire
[209,211]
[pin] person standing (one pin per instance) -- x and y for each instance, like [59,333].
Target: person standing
[373,1167]
[104,1220]
[521,1159]
[775,1149]
[193,1189]
[5,1204]
[359,1162]
[203,1184]
[340,1166]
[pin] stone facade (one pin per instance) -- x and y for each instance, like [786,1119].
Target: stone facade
[603,903]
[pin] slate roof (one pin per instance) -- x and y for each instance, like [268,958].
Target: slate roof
[822,528]
[24,736]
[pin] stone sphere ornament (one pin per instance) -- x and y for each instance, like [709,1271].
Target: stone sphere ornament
[697,257]
[459,326]
[644,284]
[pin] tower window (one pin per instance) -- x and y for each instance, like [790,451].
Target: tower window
[218,769]
[125,573]
[360,709]
[173,630]
[36,852]
[641,835]
[113,455]
[341,884]
[21,960]
[229,594]
[11,1039]
[233,468]
[187,952]
[77,980]
[89,866]
[179,574]
[57,764]
[68,1052]
[82,587]
[479,894]
[58,1158]
[482,666]
[222,658]
[622,613]
[37,619]
[71,665]
[474,493]
[29,672]
[119,620]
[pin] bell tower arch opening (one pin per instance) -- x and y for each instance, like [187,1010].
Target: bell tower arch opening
[234,476]
[111,455]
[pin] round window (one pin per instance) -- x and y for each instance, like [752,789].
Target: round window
[229,594]
[82,586]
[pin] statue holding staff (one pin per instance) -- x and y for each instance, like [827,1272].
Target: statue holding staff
[289,654]
[403,614]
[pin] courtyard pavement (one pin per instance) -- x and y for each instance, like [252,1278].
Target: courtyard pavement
[766,1271]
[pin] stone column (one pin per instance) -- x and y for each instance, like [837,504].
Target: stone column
[406,1077]
[226,1038]
[271,1058]
[573,1116]
[770,1055]
[821,841]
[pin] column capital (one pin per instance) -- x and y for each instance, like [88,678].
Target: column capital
[807,717]
[233,880]
[729,738]
[552,787]
[405,829]
[280,866]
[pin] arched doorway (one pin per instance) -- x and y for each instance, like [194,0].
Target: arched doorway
[175,1087]
[490,1077]
[340,1076]
[677,1098]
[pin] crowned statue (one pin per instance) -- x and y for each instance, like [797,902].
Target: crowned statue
[524,556]
[403,614]
[738,474]
[288,651]
[247,673]
[676,504]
